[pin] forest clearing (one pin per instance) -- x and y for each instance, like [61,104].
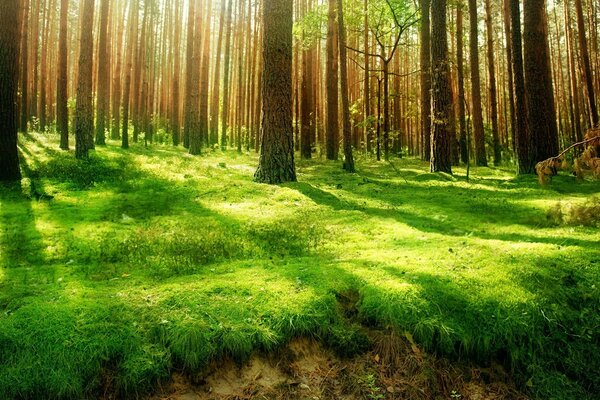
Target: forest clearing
[299,199]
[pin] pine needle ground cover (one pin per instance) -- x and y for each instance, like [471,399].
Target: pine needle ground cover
[137,263]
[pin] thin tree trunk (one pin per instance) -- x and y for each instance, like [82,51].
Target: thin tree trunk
[492,83]
[226,83]
[348,157]
[462,123]
[425,35]
[585,60]
[103,75]
[332,85]
[478,133]
[61,85]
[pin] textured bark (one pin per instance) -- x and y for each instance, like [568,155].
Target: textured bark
[84,113]
[103,75]
[25,68]
[276,163]
[62,81]
[204,78]
[190,67]
[175,95]
[367,136]
[226,73]
[307,103]
[348,157]
[585,60]
[331,77]
[117,88]
[462,123]
[509,63]
[492,82]
[522,137]
[426,78]
[541,113]
[441,97]
[9,47]
[573,83]
[195,137]
[133,18]
[478,133]
[215,98]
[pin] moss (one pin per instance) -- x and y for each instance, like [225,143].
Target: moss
[149,260]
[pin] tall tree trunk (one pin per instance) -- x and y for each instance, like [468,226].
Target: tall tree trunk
[585,60]
[25,68]
[194,127]
[62,81]
[276,163]
[441,132]
[509,63]
[462,124]
[204,76]
[84,113]
[103,75]
[175,95]
[131,44]
[522,136]
[425,34]
[9,67]
[189,73]
[215,99]
[307,103]
[574,88]
[367,79]
[348,157]
[541,111]
[492,82]
[331,72]
[478,133]
[226,78]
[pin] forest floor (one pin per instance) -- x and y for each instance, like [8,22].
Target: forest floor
[151,272]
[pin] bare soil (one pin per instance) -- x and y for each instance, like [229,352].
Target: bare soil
[395,368]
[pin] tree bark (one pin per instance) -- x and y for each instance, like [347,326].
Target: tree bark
[84,113]
[276,163]
[331,72]
[522,136]
[62,81]
[585,60]
[348,157]
[226,78]
[103,75]
[441,132]
[426,78]
[462,124]
[9,47]
[492,83]
[478,133]
[541,113]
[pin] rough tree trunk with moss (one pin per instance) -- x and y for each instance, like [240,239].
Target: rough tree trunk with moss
[84,113]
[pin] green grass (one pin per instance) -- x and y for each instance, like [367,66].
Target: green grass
[149,260]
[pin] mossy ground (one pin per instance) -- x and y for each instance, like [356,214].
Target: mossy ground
[150,260]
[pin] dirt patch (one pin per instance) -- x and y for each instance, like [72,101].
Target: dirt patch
[394,369]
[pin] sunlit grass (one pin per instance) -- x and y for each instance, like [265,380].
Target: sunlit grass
[150,259]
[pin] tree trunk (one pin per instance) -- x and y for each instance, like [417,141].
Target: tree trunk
[509,63]
[214,102]
[103,75]
[585,60]
[522,136]
[367,78]
[226,78]
[9,67]
[84,113]
[462,124]
[276,163]
[426,78]
[492,82]
[441,98]
[478,133]
[307,103]
[541,112]
[62,81]
[331,72]
[25,68]
[348,157]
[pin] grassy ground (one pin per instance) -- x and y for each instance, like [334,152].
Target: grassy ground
[150,260]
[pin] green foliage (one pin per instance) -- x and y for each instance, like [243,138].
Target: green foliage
[168,262]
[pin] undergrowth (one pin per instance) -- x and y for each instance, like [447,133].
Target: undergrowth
[137,263]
